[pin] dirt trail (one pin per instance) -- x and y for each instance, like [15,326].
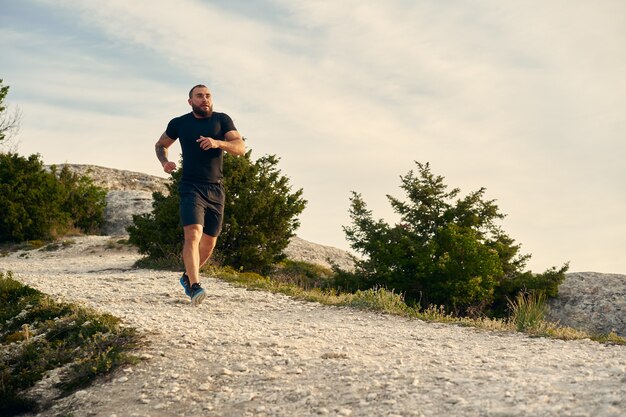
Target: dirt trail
[252,353]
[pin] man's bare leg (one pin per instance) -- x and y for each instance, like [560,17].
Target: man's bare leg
[207,244]
[191,251]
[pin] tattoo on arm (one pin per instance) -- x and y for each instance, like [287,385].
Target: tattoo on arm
[161,153]
[161,149]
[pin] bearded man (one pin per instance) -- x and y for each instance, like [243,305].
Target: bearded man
[204,137]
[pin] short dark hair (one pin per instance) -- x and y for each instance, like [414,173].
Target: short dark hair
[194,87]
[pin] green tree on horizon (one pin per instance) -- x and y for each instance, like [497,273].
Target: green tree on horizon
[446,250]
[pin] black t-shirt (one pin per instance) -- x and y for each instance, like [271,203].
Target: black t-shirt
[200,166]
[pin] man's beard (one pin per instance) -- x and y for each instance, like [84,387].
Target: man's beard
[201,112]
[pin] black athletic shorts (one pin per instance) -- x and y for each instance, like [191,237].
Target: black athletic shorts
[202,204]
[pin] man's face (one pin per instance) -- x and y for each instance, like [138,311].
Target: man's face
[201,102]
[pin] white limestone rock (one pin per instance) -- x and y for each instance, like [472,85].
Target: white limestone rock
[591,301]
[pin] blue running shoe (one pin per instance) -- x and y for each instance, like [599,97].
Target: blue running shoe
[184,281]
[197,294]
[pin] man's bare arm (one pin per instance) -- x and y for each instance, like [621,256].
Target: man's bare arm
[160,148]
[233,143]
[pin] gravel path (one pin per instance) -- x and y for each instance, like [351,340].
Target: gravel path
[252,353]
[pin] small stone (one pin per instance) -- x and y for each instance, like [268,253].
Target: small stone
[226,371]
[80,394]
[247,396]
[122,379]
[240,368]
[345,412]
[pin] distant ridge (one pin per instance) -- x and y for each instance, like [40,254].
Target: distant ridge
[118,179]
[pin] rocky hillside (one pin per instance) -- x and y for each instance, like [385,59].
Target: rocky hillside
[593,301]
[119,180]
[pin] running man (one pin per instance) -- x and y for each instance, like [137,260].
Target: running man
[204,136]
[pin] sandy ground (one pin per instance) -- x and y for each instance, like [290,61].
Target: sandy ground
[252,353]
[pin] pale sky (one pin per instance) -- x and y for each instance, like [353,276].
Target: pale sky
[526,98]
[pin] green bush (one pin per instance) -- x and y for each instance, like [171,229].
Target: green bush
[445,250]
[465,272]
[29,206]
[259,220]
[36,204]
[81,200]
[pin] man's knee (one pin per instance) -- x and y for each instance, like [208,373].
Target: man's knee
[193,233]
